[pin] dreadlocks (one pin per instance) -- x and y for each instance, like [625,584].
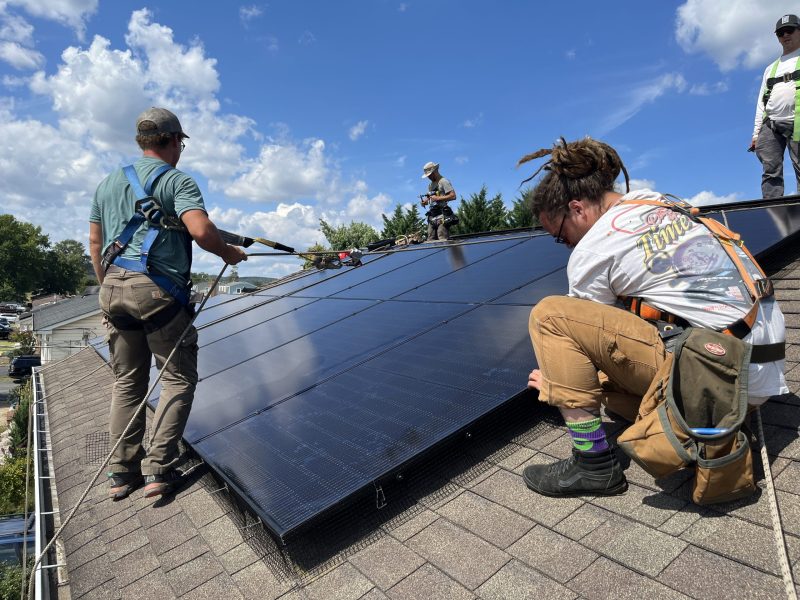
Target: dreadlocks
[585,169]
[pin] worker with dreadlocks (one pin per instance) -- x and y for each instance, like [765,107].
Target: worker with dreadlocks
[590,350]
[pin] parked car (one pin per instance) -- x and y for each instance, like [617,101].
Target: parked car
[5,329]
[20,366]
[10,317]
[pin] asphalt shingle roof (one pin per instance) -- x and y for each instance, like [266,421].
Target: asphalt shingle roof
[65,310]
[470,532]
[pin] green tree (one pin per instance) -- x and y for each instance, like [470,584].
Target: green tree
[345,237]
[402,222]
[22,395]
[11,580]
[307,264]
[521,213]
[480,214]
[12,485]
[66,268]
[22,257]
[26,341]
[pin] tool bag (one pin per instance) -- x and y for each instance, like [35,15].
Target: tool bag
[442,215]
[692,416]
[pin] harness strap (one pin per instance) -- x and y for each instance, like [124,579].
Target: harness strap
[180,293]
[758,288]
[785,78]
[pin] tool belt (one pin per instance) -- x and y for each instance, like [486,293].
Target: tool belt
[439,215]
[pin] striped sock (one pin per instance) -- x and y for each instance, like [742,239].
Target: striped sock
[588,436]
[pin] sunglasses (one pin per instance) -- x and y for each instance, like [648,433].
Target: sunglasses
[559,239]
[785,31]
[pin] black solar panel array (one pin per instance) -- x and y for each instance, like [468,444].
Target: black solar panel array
[315,388]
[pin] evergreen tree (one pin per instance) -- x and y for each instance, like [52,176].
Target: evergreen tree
[479,214]
[521,213]
[402,222]
[345,237]
[307,264]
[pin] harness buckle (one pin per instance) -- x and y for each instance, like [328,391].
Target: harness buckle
[764,287]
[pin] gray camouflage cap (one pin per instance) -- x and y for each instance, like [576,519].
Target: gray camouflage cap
[158,120]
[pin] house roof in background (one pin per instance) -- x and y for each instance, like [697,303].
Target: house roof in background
[45,317]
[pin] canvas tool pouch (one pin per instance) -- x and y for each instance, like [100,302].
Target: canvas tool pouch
[706,387]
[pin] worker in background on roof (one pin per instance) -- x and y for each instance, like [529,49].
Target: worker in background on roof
[776,125]
[146,318]
[440,192]
[590,350]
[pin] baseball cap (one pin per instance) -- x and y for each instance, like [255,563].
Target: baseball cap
[158,120]
[787,21]
[429,168]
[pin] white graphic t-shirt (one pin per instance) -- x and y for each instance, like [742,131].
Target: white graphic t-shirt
[677,265]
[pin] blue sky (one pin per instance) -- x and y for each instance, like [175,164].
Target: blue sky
[305,110]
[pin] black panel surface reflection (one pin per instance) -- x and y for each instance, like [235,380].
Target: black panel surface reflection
[505,270]
[451,258]
[307,455]
[260,379]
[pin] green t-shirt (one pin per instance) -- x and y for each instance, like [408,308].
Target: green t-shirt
[114,204]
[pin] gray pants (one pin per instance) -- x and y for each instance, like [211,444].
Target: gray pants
[770,146]
[129,294]
[437,232]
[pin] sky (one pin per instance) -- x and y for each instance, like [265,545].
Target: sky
[301,110]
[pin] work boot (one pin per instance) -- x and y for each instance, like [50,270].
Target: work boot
[163,483]
[582,474]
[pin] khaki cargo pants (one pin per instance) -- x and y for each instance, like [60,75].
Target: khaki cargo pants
[592,354]
[131,294]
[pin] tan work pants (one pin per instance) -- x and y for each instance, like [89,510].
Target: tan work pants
[131,294]
[592,354]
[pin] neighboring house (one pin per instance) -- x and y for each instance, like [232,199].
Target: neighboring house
[65,327]
[237,287]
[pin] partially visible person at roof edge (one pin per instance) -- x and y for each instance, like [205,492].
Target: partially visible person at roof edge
[144,319]
[440,192]
[776,124]
[590,350]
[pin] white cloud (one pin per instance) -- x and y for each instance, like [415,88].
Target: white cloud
[248,13]
[707,89]
[72,13]
[706,198]
[357,130]
[14,28]
[284,172]
[400,161]
[473,122]
[19,57]
[307,38]
[403,7]
[50,182]
[636,98]
[636,184]
[570,54]
[732,31]
[461,160]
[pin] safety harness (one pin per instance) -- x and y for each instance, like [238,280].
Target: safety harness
[785,78]
[759,288]
[148,210]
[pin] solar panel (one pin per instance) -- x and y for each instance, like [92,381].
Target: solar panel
[316,389]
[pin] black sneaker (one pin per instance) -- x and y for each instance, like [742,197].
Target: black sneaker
[583,473]
[163,483]
[122,484]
